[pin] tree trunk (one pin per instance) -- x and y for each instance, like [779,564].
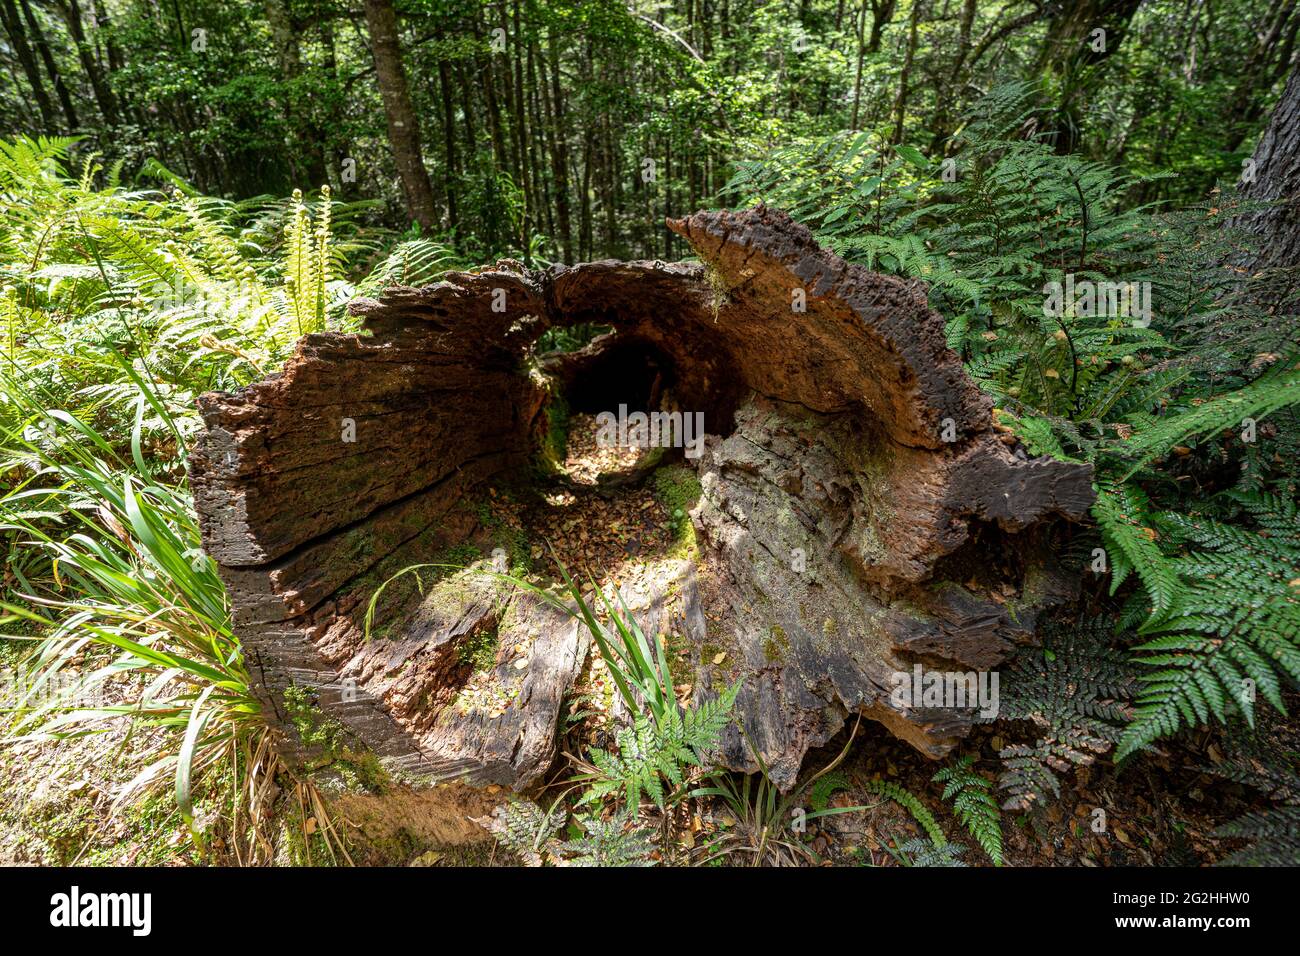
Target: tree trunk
[560,147]
[1072,55]
[881,13]
[307,160]
[403,124]
[18,38]
[1275,179]
[856,515]
[905,75]
[56,78]
[1268,60]
[857,76]
[104,97]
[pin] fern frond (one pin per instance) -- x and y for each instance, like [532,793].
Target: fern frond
[973,802]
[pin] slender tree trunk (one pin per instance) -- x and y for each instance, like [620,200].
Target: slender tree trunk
[561,152]
[1261,70]
[307,161]
[949,82]
[103,25]
[51,68]
[518,101]
[1072,50]
[541,185]
[881,15]
[104,98]
[451,175]
[18,39]
[857,78]
[403,125]
[905,76]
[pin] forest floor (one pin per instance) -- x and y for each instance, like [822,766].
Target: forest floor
[56,808]
[57,797]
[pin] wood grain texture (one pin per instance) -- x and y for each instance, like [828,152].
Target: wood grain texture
[826,440]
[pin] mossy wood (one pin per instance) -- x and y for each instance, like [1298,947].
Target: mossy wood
[859,513]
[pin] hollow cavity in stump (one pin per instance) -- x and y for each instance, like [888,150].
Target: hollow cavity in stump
[847,513]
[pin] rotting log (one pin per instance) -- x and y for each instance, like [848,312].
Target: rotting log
[859,515]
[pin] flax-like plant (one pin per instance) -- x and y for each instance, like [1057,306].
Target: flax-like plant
[129,594]
[131,620]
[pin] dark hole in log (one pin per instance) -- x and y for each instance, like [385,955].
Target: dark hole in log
[625,372]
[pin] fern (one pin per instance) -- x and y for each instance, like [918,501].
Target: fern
[909,802]
[1235,629]
[1125,517]
[973,802]
[1275,390]
[525,829]
[918,852]
[650,755]
[1265,759]
[1276,836]
[613,842]
[1075,691]
[824,787]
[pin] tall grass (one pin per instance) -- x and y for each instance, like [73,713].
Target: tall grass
[118,307]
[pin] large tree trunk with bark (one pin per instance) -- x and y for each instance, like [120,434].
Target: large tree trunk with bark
[858,514]
[1274,178]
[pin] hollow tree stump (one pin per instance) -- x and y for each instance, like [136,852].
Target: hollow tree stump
[859,515]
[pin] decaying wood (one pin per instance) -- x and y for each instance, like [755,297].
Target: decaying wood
[860,514]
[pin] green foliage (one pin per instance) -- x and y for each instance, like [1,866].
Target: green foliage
[133,621]
[119,307]
[652,754]
[973,802]
[1074,691]
[1234,630]
[912,804]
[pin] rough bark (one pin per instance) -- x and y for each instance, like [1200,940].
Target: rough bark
[403,123]
[860,515]
[1276,181]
